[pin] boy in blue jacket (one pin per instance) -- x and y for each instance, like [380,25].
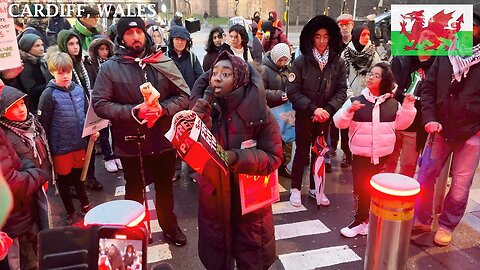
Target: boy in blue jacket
[61,111]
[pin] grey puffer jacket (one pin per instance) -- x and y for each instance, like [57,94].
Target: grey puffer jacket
[274,80]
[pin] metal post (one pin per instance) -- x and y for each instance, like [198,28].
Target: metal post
[390,223]
[287,14]
[354,9]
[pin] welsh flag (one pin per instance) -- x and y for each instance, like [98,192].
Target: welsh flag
[432,30]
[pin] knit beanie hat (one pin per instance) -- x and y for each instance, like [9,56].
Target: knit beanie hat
[27,41]
[126,23]
[280,50]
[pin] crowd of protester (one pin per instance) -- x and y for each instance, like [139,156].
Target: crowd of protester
[337,85]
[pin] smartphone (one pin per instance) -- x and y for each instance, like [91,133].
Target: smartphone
[66,248]
[122,248]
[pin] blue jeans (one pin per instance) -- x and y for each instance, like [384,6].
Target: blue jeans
[466,156]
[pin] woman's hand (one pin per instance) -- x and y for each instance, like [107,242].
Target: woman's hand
[409,100]
[356,105]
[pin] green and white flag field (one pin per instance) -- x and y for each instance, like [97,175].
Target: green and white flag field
[432,30]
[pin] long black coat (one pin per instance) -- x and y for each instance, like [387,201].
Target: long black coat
[33,79]
[238,117]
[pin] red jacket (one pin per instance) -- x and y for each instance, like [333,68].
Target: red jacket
[278,37]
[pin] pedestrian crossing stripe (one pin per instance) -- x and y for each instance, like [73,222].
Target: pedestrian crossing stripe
[151,205]
[158,253]
[286,207]
[317,258]
[154,226]
[120,190]
[297,229]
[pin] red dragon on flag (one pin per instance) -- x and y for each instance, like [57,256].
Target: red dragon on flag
[438,28]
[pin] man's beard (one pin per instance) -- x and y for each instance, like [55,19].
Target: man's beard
[136,51]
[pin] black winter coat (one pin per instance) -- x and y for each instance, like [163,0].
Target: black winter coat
[310,88]
[275,81]
[24,181]
[117,91]
[188,64]
[242,115]
[455,105]
[33,79]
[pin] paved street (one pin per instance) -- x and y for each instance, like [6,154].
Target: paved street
[307,238]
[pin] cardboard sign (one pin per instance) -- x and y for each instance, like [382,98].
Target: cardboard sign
[257,191]
[93,123]
[9,54]
[195,143]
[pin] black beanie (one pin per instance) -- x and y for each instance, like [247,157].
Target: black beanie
[27,41]
[126,23]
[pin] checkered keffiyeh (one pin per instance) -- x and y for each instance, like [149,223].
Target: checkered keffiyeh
[322,59]
[461,64]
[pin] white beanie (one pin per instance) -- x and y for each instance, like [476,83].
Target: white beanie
[280,50]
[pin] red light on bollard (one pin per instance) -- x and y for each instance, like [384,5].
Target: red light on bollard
[390,222]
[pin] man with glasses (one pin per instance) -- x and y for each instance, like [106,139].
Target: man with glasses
[345,22]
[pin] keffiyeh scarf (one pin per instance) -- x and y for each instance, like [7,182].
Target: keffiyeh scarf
[461,64]
[29,131]
[360,61]
[322,59]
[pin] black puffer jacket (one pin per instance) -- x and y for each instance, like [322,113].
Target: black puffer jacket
[274,80]
[457,106]
[242,115]
[117,91]
[92,63]
[310,88]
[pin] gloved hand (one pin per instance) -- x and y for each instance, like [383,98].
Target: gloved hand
[5,243]
[151,113]
[232,157]
[203,110]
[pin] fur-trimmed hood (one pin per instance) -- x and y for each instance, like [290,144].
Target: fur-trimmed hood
[313,25]
[28,57]
[96,43]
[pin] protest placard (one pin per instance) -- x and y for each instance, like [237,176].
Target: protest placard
[93,123]
[9,54]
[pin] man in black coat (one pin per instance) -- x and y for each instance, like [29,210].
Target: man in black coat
[451,112]
[117,92]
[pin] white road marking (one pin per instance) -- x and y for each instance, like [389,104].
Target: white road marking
[281,188]
[297,229]
[155,227]
[158,253]
[323,257]
[286,207]
[151,205]
[120,190]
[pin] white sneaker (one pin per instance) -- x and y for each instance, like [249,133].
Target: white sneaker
[119,164]
[111,166]
[295,197]
[361,229]
[323,202]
